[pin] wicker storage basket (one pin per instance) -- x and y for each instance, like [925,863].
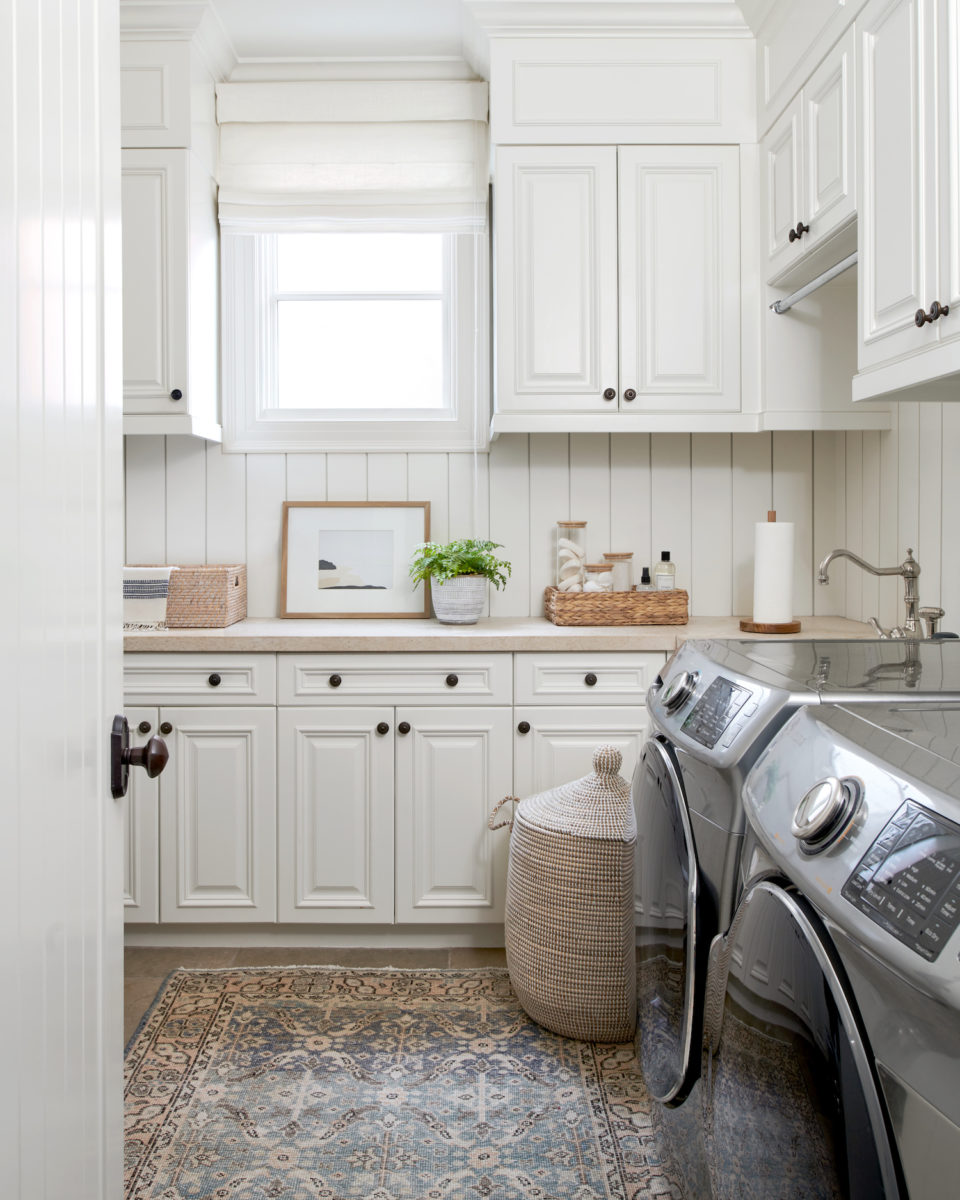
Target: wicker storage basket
[209,597]
[615,608]
[569,915]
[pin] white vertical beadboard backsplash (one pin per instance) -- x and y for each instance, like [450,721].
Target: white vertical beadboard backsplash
[697,496]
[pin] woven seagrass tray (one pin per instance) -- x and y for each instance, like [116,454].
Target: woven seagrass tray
[207,597]
[615,608]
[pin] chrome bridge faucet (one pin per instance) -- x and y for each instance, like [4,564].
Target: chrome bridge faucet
[910,570]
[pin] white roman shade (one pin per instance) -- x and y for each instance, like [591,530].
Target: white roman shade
[322,154]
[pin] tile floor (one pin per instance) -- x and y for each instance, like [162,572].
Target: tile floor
[145,968]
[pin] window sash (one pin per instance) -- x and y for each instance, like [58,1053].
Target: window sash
[252,418]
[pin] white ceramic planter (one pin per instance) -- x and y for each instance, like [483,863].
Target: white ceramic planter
[459,601]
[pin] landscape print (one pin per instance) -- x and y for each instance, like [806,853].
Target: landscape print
[355,559]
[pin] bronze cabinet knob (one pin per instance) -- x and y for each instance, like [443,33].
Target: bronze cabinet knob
[334,681]
[610,393]
[590,679]
[796,234]
[937,310]
[630,394]
[383,728]
[144,727]
[452,680]
[403,727]
[523,727]
[176,394]
[214,680]
[166,728]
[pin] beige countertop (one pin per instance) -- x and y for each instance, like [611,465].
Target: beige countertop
[491,633]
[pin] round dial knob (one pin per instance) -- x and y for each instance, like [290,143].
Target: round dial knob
[679,690]
[824,813]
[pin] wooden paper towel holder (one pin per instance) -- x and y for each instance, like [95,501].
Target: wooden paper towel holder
[767,627]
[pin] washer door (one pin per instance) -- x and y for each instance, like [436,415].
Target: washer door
[668,1011]
[792,1100]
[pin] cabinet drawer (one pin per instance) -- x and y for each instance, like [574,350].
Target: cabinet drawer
[200,678]
[394,678]
[587,678]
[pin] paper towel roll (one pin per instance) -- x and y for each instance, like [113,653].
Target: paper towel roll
[773,572]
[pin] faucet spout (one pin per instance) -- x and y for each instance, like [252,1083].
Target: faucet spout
[909,569]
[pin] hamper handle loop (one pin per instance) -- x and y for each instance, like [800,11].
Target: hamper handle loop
[500,824]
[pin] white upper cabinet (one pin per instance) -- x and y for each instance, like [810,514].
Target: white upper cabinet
[616,304]
[679,222]
[556,270]
[909,145]
[170,242]
[809,173]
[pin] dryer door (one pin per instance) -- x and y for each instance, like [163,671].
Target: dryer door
[792,1099]
[668,1010]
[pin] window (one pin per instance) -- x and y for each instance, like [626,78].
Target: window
[348,339]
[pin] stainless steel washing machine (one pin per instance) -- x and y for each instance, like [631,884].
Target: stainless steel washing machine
[713,712]
[854,834]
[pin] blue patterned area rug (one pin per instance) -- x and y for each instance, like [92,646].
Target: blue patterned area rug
[327,1083]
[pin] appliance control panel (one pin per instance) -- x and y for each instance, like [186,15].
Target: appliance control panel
[713,714]
[908,882]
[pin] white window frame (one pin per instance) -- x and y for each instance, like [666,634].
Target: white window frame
[251,420]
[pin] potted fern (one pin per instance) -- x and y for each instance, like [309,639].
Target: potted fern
[458,574]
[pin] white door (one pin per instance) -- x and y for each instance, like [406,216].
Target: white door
[155,300]
[554,745]
[218,815]
[453,765]
[680,278]
[141,829]
[781,160]
[897,173]
[829,158]
[60,852]
[556,278]
[335,815]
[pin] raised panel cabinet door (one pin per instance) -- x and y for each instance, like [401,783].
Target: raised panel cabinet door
[829,175]
[218,815]
[154,214]
[781,162]
[949,124]
[335,815]
[556,278]
[141,830]
[554,745]
[680,278]
[453,766]
[897,179]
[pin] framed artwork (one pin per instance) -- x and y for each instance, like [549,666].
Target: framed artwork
[351,558]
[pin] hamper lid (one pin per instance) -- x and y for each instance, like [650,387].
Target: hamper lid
[596,806]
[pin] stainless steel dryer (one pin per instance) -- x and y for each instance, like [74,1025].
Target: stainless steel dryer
[835,997]
[713,710]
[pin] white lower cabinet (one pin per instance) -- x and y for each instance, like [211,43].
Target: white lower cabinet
[453,765]
[218,815]
[335,815]
[141,829]
[553,745]
[358,807]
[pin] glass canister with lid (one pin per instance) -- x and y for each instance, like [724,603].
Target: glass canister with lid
[599,577]
[621,568]
[571,555]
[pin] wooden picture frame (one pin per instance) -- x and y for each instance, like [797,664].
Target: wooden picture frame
[351,558]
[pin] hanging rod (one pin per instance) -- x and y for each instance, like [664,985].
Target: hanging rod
[784,305]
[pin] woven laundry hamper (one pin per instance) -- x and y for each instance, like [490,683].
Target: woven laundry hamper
[569,916]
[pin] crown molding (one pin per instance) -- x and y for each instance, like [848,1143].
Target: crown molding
[195,21]
[608,18]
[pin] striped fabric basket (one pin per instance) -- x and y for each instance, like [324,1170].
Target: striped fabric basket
[569,915]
